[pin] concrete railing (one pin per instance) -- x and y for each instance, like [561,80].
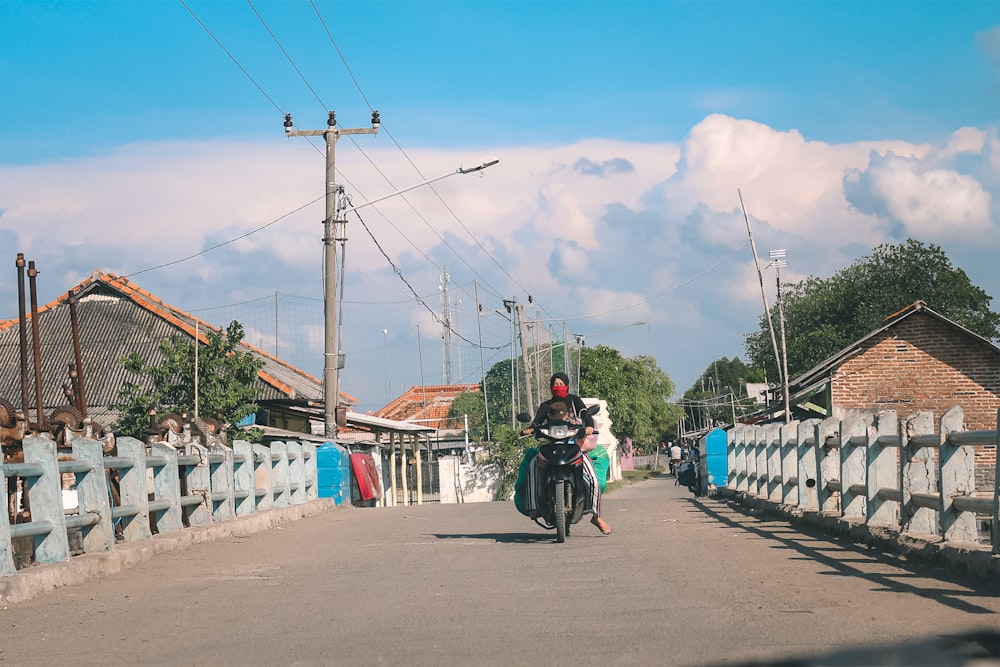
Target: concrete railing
[892,473]
[157,486]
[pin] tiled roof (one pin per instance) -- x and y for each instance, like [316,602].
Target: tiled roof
[116,317]
[427,405]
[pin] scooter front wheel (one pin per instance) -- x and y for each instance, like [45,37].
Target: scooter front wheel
[560,510]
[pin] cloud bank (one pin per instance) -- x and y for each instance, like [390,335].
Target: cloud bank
[600,234]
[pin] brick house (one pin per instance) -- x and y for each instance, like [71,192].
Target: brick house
[918,360]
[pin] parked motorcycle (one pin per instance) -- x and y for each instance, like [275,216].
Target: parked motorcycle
[562,486]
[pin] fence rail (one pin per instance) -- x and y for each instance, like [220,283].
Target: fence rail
[158,486]
[883,471]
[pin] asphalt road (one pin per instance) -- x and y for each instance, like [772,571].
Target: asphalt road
[680,581]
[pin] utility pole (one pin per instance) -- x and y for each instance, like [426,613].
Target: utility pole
[334,230]
[482,363]
[446,323]
[778,261]
[509,305]
[524,355]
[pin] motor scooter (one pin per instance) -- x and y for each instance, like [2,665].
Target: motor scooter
[563,489]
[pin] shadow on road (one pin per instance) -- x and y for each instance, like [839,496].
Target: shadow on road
[815,545]
[503,538]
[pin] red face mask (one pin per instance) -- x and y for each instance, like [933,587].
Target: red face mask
[560,391]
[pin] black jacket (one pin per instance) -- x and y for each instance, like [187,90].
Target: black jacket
[577,408]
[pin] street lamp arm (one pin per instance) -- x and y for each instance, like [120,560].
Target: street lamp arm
[486,162]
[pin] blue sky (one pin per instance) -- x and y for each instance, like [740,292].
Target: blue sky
[131,136]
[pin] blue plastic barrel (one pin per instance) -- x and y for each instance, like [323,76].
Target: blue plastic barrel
[333,473]
[716,459]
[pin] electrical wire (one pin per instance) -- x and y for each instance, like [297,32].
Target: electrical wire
[416,296]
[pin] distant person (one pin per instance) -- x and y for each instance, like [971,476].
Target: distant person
[675,457]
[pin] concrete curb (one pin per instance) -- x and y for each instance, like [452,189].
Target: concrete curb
[38,579]
[967,559]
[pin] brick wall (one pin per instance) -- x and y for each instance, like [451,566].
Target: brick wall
[922,363]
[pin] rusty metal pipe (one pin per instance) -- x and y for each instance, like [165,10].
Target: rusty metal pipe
[23,331]
[80,392]
[36,340]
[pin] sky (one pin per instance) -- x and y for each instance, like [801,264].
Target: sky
[146,139]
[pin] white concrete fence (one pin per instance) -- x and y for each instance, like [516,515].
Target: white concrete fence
[899,474]
[159,485]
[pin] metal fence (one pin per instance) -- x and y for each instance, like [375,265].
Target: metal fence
[900,474]
[142,490]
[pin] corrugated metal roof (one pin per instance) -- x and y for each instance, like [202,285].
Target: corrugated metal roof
[381,424]
[115,318]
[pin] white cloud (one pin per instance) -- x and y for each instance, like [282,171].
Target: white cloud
[617,231]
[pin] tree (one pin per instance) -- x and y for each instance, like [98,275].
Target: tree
[824,316]
[472,405]
[719,392]
[636,390]
[227,381]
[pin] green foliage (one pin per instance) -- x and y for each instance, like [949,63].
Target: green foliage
[469,403]
[498,394]
[227,381]
[636,390]
[824,316]
[505,453]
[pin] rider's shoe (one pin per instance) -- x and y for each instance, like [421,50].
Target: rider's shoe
[601,524]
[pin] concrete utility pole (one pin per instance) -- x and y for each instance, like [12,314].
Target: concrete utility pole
[524,355]
[446,323]
[334,230]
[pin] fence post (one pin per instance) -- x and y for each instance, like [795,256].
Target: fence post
[279,473]
[7,567]
[92,495]
[772,454]
[133,489]
[263,477]
[852,468]
[734,449]
[749,460]
[916,476]
[199,482]
[222,483]
[244,487]
[167,488]
[787,441]
[310,472]
[759,488]
[827,465]
[296,474]
[46,499]
[957,472]
[806,455]
[882,473]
